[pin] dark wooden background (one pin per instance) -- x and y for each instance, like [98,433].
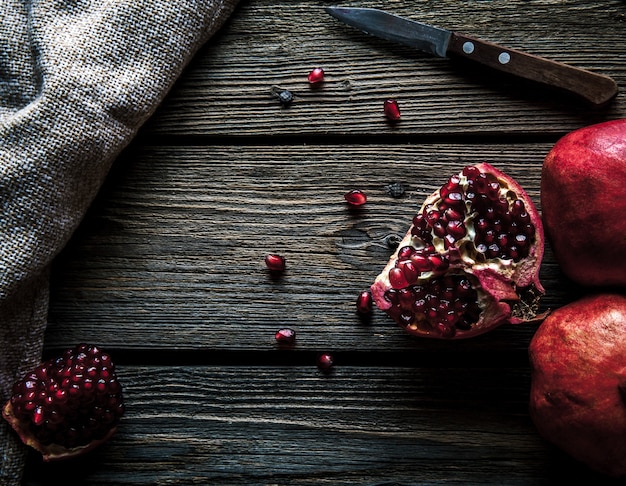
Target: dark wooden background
[167,270]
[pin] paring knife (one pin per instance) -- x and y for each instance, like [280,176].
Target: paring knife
[594,88]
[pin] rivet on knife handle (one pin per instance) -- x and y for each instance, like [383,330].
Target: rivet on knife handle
[595,88]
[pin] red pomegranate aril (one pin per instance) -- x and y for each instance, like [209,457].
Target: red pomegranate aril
[521,240]
[439,229]
[463,250]
[421,262]
[432,216]
[356,197]
[454,199]
[410,272]
[405,252]
[456,229]
[325,362]
[437,262]
[419,221]
[452,214]
[275,263]
[397,278]
[391,110]
[316,76]
[364,303]
[285,336]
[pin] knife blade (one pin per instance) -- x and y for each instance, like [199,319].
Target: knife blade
[595,88]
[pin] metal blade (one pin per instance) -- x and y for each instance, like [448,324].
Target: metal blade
[397,29]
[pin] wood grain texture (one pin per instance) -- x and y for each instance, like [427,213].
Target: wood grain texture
[167,273]
[294,425]
[173,251]
[227,90]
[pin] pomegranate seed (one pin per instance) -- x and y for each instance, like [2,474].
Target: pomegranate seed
[316,76]
[364,303]
[432,216]
[456,229]
[421,262]
[285,97]
[285,336]
[397,278]
[396,189]
[275,263]
[355,197]
[405,252]
[410,272]
[391,109]
[325,362]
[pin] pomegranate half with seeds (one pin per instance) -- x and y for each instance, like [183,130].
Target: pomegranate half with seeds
[470,260]
[68,405]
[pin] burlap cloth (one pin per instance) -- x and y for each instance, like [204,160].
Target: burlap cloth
[77,80]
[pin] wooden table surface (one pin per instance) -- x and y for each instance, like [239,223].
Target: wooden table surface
[167,271]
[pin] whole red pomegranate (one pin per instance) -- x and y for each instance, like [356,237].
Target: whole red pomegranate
[578,390]
[68,405]
[470,260]
[583,203]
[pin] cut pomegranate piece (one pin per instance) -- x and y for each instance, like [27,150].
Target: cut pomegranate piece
[316,76]
[392,110]
[68,405]
[470,260]
[355,197]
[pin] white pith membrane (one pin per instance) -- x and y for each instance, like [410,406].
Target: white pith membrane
[492,277]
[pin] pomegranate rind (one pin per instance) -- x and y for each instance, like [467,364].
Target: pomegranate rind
[500,285]
[582,199]
[577,397]
[51,452]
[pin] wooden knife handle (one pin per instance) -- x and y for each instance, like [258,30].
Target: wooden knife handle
[595,88]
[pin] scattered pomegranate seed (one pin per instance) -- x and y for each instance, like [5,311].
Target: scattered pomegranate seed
[364,303]
[276,263]
[285,97]
[285,336]
[316,76]
[396,189]
[325,362]
[392,110]
[355,197]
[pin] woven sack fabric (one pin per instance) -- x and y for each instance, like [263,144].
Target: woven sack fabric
[77,80]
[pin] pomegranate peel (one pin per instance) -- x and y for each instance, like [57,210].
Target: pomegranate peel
[469,261]
[578,375]
[582,199]
[50,452]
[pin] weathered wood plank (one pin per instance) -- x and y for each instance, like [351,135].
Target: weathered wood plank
[360,425]
[171,254]
[227,89]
